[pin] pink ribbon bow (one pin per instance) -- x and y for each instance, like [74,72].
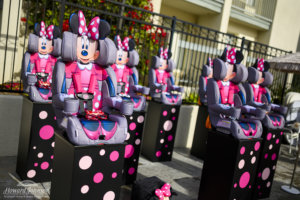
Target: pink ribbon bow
[92,30]
[123,45]
[164,53]
[231,56]
[163,192]
[49,33]
[260,64]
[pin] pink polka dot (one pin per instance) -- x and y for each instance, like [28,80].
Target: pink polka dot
[259,174]
[54,117]
[102,152]
[52,157]
[127,136]
[166,146]
[165,113]
[136,133]
[170,137]
[40,155]
[242,151]
[85,162]
[168,125]
[173,110]
[244,180]
[281,133]
[265,174]
[257,146]
[269,136]
[84,189]
[98,177]
[268,184]
[129,150]
[31,173]
[43,115]
[46,132]
[114,156]
[44,165]
[258,187]
[250,186]
[109,196]
[140,119]
[132,126]
[158,154]
[277,141]
[161,131]
[266,156]
[53,144]
[235,185]
[137,141]
[274,156]
[36,164]
[131,170]
[173,118]
[114,175]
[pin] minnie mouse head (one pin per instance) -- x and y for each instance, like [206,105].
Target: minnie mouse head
[231,57]
[88,36]
[46,37]
[124,47]
[164,55]
[262,75]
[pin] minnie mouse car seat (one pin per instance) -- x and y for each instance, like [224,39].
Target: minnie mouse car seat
[84,85]
[207,73]
[258,95]
[44,46]
[127,74]
[226,98]
[161,79]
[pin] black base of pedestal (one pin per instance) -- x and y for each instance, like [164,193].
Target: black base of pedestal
[201,133]
[86,172]
[267,163]
[159,132]
[229,168]
[36,141]
[133,147]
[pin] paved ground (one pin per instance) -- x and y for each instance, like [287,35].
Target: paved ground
[183,173]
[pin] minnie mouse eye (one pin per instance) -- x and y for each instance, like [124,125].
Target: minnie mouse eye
[86,46]
[82,46]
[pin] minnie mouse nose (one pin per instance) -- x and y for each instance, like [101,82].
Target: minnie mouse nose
[84,53]
[43,47]
[120,59]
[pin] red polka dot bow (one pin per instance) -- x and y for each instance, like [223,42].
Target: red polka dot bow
[123,45]
[164,53]
[260,64]
[231,56]
[92,30]
[49,33]
[163,192]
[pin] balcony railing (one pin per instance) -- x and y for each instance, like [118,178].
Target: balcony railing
[262,9]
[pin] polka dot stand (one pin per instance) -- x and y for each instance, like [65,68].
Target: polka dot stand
[267,163]
[86,172]
[159,132]
[36,143]
[133,147]
[229,167]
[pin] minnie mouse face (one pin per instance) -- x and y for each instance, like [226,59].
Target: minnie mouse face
[46,36]
[230,72]
[261,78]
[261,66]
[163,64]
[45,46]
[87,49]
[122,57]
[87,40]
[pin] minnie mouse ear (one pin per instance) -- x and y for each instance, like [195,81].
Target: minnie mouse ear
[158,53]
[266,66]
[74,23]
[116,42]
[239,57]
[56,32]
[169,54]
[37,29]
[104,29]
[255,64]
[131,44]
[223,56]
